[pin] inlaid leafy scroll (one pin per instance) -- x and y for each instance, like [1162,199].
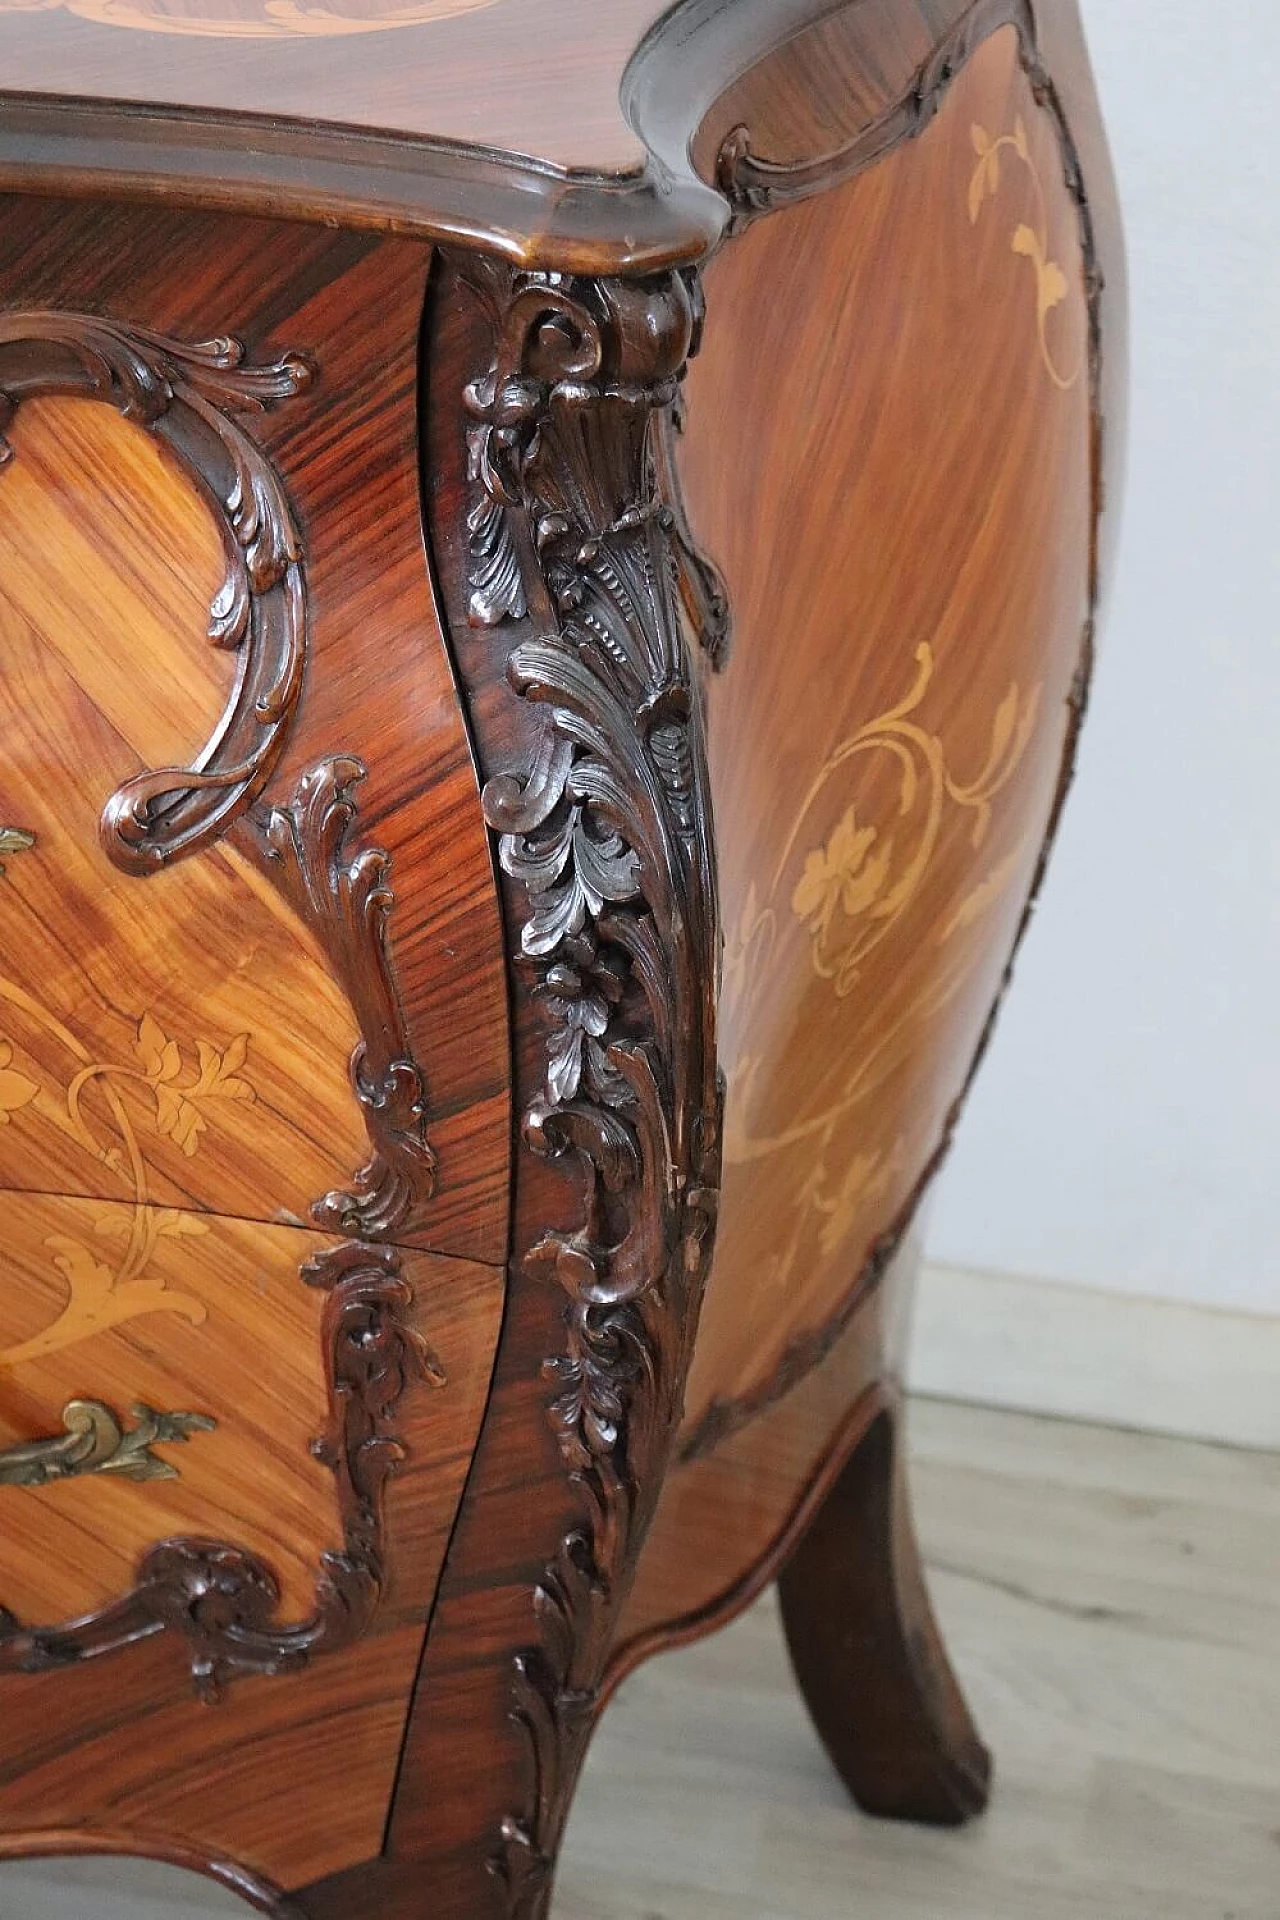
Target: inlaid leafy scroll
[108,1109]
[856,872]
[1030,238]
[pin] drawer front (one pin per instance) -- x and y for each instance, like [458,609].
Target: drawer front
[252,1178]
[166,1040]
[218,1338]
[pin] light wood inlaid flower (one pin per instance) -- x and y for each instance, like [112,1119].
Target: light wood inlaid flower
[104,1291]
[178,1102]
[847,875]
[1031,242]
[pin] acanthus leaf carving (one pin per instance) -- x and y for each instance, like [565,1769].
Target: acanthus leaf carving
[347,896]
[606,832]
[189,396]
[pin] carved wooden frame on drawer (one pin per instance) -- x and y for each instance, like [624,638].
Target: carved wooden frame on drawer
[219,1598]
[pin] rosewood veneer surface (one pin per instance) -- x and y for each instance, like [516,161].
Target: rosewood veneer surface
[550,556]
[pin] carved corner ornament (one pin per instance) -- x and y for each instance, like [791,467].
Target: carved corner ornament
[606,832]
[191,397]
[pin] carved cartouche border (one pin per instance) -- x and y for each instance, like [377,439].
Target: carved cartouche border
[222,1600]
[606,832]
[187,395]
[757,187]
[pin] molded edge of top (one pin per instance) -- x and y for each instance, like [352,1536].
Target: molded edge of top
[647,218]
[650,218]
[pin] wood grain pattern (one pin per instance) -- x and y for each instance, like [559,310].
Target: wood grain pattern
[873,886]
[110,567]
[458,1742]
[557,136]
[604,1194]
[562,174]
[228,1291]
[1082,1576]
[235,940]
[348,457]
[80,1746]
[889,734]
[538,79]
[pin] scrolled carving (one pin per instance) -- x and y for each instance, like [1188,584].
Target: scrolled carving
[495,572]
[223,1601]
[754,185]
[345,894]
[188,395]
[606,831]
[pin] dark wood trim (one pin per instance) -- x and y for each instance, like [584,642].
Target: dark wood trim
[392,183]
[866,1649]
[532,213]
[607,833]
[754,184]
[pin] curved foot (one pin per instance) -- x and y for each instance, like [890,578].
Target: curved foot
[867,1652]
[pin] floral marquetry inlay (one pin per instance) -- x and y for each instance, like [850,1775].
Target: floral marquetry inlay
[879,909]
[108,1109]
[860,878]
[1030,239]
[253,19]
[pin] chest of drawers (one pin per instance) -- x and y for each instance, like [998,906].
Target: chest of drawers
[548,570]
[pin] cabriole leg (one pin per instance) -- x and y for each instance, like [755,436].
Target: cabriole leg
[867,1651]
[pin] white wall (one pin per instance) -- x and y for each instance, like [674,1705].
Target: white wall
[1125,1132]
